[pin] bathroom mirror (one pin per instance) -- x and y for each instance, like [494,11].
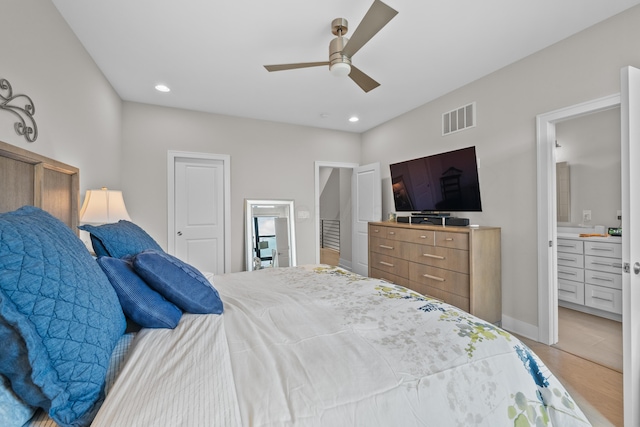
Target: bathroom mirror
[270,239]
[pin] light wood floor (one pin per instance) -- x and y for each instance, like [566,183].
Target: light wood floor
[591,337]
[596,388]
[329,257]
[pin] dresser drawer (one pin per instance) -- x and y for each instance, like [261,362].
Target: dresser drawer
[571,291]
[442,295]
[381,232]
[452,240]
[603,298]
[386,247]
[396,266]
[570,246]
[389,277]
[446,280]
[424,237]
[449,259]
[605,249]
[609,265]
[601,278]
[570,273]
[571,260]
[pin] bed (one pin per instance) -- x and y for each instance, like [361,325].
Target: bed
[311,345]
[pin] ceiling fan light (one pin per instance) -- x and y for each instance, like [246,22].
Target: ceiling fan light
[340,69]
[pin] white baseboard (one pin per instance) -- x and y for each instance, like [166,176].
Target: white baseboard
[519,327]
[346,264]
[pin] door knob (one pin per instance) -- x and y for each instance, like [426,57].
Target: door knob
[179,233]
[636,268]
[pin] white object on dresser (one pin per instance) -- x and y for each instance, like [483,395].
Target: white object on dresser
[458,265]
[590,275]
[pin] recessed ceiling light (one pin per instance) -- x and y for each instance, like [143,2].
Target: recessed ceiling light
[353,119]
[162,88]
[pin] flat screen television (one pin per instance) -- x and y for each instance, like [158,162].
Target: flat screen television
[445,182]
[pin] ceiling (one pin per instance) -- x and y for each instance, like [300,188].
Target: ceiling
[211,52]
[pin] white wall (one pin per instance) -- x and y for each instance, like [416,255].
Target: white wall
[268,161]
[591,146]
[77,112]
[583,67]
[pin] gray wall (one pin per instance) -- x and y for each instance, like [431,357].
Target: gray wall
[77,111]
[268,161]
[580,68]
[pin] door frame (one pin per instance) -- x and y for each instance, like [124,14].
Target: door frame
[226,162]
[317,165]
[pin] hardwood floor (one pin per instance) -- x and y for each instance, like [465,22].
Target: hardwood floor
[590,337]
[596,388]
[329,257]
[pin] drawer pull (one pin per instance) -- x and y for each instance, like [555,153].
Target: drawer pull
[606,264]
[606,279]
[376,230]
[392,232]
[565,245]
[428,276]
[388,264]
[602,299]
[567,259]
[566,291]
[449,239]
[596,248]
[433,256]
[386,247]
[423,237]
[570,273]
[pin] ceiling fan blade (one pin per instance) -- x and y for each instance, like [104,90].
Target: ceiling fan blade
[365,82]
[378,15]
[294,66]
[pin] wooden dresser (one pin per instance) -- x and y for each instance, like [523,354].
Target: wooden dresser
[458,265]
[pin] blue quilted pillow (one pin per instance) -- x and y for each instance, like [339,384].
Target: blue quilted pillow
[59,317]
[178,282]
[119,239]
[139,302]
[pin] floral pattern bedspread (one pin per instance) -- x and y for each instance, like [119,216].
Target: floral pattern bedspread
[319,346]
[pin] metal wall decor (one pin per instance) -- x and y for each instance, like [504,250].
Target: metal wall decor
[26,124]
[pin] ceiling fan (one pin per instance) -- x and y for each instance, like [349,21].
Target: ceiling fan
[342,49]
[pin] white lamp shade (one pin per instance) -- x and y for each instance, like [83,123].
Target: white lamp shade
[103,207]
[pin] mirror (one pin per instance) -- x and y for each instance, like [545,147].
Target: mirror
[270,239]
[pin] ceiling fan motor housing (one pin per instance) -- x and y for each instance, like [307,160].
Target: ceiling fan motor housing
[339,27]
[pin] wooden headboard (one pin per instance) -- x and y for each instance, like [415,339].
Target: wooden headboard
[28,178]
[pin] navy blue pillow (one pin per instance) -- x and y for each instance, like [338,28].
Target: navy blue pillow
[59,317]
[139,302]
[119,239]
[178,282]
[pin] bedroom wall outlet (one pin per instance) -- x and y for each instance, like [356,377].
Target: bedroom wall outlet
[619,215]
[586,216]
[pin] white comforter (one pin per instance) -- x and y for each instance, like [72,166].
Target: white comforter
[318,346]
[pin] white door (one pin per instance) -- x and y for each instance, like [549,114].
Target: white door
[630,117]
[199,213]
[366,198]
[282,241]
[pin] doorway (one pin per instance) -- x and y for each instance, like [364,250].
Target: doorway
[198,210]
[335,216]
[588,165]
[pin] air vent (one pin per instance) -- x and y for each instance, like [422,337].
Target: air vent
[459,119]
